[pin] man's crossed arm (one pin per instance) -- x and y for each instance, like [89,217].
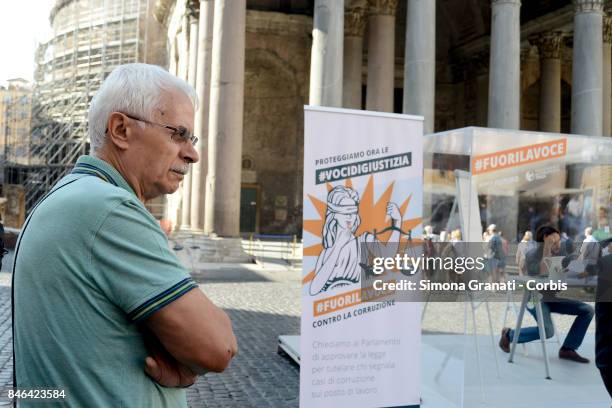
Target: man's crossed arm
[186,338]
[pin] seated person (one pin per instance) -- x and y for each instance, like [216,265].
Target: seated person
[548,239]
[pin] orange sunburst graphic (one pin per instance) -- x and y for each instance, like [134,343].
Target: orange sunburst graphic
[373,218]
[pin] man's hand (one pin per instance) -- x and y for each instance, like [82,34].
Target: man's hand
[195,332]
[163,368]
[169,373]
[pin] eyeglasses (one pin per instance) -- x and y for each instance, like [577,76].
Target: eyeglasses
[180,132]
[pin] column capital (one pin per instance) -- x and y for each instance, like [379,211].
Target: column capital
[529,52]
[588,6]
[607,29]
[355,21]
[387,7]
[192,9]
[549,45]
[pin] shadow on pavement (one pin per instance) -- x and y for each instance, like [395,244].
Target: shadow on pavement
[258,376]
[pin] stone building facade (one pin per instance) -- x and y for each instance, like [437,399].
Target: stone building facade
[536,65]
[15,113]
[277,58]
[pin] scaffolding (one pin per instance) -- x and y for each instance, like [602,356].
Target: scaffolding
[91,38]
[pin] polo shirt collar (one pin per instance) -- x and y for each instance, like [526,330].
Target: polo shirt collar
[97,167]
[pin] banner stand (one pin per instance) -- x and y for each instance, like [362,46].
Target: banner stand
[290,346]
[363,200]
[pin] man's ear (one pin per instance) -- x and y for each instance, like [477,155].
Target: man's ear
[117,131]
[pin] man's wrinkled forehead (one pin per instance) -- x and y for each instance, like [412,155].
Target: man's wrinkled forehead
[175,105]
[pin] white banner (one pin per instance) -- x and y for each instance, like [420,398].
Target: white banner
[363,184]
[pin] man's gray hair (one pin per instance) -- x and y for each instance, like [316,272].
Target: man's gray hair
[135,89]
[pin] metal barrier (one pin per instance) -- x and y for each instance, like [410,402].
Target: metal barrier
[287,250]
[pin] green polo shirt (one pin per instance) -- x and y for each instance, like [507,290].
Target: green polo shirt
[91,264]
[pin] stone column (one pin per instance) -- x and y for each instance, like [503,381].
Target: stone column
[354,26]
[505,69]
[607,76]
[550,82]
[198,170]
[381,55]
[173,66]
[222,216]
[420,61]
[183,40]
[191,77]
[504,107]
[327,52]
[587,67]
[193,12]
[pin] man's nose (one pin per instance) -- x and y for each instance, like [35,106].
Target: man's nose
[189,153]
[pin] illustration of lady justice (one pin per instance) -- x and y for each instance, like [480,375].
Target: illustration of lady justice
[339,262]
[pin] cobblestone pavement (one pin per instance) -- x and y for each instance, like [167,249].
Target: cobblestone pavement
[262,306]
[263,303]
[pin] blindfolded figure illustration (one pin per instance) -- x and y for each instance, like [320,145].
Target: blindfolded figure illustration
[338,263]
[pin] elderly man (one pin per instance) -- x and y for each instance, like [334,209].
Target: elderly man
[103,310]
